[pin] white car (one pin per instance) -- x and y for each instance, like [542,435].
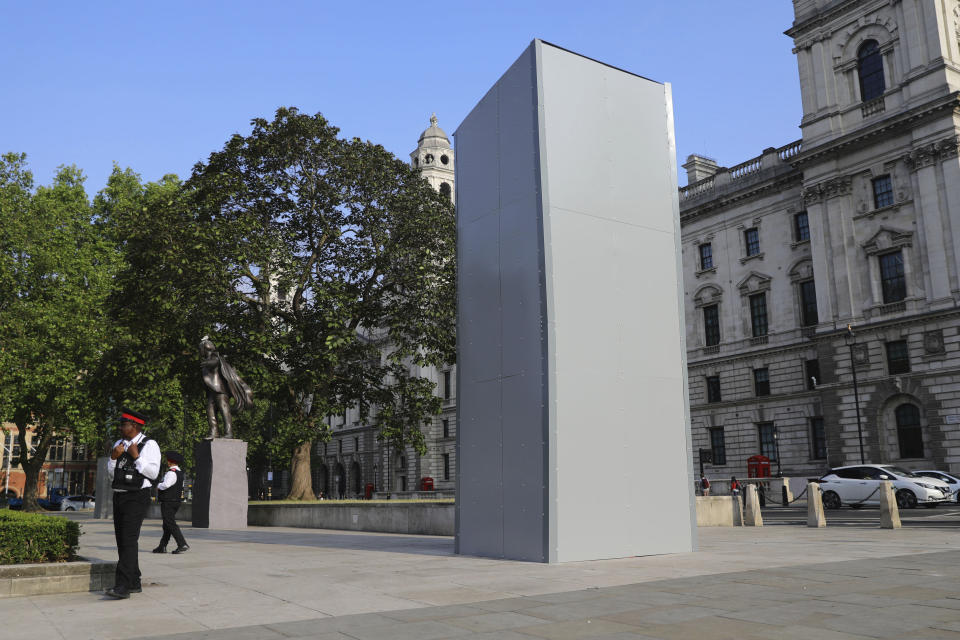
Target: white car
[859,485]
[952,480]
[76,503]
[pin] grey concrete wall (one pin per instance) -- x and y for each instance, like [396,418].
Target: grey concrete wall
[421,519]
[571,353]
[185,512]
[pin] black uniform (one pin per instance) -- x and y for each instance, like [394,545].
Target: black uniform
[131,499]
[169,495]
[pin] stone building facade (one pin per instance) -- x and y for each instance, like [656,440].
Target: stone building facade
[353,458]
[857,224]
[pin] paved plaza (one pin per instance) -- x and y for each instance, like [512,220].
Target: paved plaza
[771,582]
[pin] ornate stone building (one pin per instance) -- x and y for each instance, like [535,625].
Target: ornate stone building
[353,458]
[857,223]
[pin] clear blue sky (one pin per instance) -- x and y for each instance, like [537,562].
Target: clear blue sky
[158,86]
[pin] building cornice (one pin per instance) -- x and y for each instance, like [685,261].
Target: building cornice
[821,17]
[869,135]
[779,181]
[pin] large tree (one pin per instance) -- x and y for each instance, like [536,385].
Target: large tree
[340,262]
[55,274]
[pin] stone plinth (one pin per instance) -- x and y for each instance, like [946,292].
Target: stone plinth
[220,485]
[751,515]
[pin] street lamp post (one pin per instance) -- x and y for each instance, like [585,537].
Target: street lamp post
[851,340]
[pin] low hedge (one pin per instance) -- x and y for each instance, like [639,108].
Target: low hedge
[32,537]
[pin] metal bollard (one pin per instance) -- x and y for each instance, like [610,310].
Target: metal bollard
[762,494]
[783,494]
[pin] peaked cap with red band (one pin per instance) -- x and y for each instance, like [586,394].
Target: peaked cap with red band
[133,416]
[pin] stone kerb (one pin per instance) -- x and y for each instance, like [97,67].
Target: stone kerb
[56,577]
[430,519]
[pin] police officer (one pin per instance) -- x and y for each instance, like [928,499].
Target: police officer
[133,466]
[169,494]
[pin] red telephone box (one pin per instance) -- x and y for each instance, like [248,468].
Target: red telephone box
[758,467]
[426,484]
[368,491]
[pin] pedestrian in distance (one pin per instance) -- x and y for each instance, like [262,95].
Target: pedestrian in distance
[170,495]
[133,467]
[734,486]
[704,485]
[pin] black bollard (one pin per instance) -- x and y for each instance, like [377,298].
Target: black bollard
[762,494]
[783,494]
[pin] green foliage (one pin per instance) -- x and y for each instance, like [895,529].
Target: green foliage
[32,537]
[56,270]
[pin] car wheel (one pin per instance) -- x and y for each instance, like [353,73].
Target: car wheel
[69,509]
[931,505]
[831,500]
[906,499]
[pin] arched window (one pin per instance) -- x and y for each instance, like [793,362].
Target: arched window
[870,70]
[909,432]
[445,189]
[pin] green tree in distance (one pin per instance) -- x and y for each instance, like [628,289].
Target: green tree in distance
[323,268]
[55,275]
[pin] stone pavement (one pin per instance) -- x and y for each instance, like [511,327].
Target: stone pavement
[770,582]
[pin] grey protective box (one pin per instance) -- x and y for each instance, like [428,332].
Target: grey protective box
[220,487]
[573,437]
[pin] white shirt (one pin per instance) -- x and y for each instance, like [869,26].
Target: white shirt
[169,478]
[148,463]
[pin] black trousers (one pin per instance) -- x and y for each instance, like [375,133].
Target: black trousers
[170,527]
[129,510]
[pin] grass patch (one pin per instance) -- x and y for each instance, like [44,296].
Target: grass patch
[33,537]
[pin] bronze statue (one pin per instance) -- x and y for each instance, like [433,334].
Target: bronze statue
[222,384]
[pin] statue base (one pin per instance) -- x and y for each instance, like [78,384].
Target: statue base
[220,484]
[103,505]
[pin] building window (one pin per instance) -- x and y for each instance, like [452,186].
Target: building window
[446,385]
[445,189]
[706,256]
[768,440]
[356,444]
[909,433]
[711,324]
[801,227]
[78,451]
[898,359]
[446,428]
[892,280]
[758,314]
[882,192]
[713,388]
[752,239]
[339,446]
[718,446]
[761,381]
[818,439]
[56,449]
[812,371]
[870,70]
[446,466]
[808,303]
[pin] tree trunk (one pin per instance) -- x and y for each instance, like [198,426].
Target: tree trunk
[301,485]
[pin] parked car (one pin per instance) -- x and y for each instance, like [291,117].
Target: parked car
[952,480]
[859,485]
[54,497]
[76,503]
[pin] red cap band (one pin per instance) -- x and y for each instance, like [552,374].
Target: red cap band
[127,416]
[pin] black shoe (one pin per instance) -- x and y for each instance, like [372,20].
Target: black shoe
[160,549]
[136,589]
[118,592]
[182,548]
